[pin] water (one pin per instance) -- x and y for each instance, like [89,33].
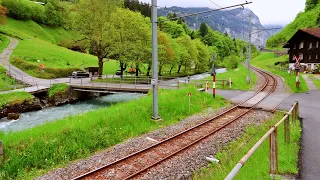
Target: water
[32,119]
[201,76]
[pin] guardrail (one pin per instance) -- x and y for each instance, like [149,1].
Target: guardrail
[273,139]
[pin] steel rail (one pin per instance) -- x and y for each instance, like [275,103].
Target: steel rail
[188,130]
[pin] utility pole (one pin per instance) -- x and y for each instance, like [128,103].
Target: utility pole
[154,81]
[249,50]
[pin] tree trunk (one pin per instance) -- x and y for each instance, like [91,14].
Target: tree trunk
[137,70]
[179,68]
[123,66]
[149,69]
[100,69]
[171,70]
[160,69]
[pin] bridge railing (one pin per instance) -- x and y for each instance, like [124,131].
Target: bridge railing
[272,134]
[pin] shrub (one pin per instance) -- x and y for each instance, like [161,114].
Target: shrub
[57,89]
[46,73]
[18,9]
[231,62]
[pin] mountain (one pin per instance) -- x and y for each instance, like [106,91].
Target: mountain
[234,22]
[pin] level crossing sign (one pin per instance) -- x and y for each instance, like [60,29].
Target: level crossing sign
[297,64]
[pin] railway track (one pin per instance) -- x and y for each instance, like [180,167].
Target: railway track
[139,162]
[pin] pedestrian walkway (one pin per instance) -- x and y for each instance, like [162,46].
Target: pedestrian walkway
[309,82]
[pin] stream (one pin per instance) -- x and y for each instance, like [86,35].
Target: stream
[36,118]
[31,119]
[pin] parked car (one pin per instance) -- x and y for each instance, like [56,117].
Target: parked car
[79,74]
[118,73]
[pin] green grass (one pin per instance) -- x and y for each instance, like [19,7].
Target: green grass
[40,43]
[257,167]
[316,81]
[14,98]
[36,151]
[4,42]
[265,60]
[58,88]
[6,83]
[238,77]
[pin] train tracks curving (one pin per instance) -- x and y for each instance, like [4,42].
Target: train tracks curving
[139,162]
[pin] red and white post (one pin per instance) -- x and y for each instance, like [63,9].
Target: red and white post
[297,79]
[214,86]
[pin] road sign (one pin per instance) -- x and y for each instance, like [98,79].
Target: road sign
[297,64]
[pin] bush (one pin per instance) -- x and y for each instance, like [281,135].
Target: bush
[46,73]
[57,89]
[231,62]
[18,9]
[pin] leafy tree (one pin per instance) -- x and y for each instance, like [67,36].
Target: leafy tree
[231,62]
[166,53]
[203,30]
[18,9]
[94,23]
[53,17]
[310,4]
[202,61]
[189,53]
[131,40]
[3,12]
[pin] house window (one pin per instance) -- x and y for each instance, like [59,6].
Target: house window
[301,45]
[317,44]
[294,46]
[316,56]
[309,56]
[301,56]
[310,46]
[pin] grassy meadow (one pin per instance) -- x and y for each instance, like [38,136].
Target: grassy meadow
[6,83]
[265,60]
[257,167]
[35,151]
[13,98]
[238,77]
[37,42]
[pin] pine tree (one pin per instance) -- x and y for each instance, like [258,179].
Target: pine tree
[203,29]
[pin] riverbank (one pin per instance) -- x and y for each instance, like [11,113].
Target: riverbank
[57,143]
[59,94]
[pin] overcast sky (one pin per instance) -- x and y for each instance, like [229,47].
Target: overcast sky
[269,11]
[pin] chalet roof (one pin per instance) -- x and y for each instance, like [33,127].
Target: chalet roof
[311,31]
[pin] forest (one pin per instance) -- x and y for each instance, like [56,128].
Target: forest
[121,30]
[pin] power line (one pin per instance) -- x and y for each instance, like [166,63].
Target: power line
[208,11]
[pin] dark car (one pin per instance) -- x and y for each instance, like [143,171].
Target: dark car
[79,74]
[118,73]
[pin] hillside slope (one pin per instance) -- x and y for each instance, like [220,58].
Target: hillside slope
[41,43]
[306,19]
[223,21]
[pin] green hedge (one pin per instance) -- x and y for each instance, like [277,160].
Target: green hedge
[46,73]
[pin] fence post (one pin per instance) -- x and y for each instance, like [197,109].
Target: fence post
[294,115]
[223,84]
[70,81]
[178,84]
[273,141]
[297,111]
[135,82]
[81,81]
[287,129]
[230,83]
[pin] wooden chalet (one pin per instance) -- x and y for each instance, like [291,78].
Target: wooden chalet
[305,44]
